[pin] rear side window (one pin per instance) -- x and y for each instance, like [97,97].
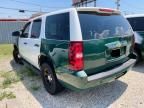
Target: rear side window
[137,23]
[36,28]
[57,27]
[98,26]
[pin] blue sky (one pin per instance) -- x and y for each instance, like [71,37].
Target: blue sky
[127,6]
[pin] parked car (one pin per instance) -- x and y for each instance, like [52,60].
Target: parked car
[77,48]
[137,23]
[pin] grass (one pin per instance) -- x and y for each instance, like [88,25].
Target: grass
[35,87]
[28,71]
[12,77]
[7,95]
[9,79]
[5,50]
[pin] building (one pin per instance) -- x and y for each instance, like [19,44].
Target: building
[7,26]
[80,3]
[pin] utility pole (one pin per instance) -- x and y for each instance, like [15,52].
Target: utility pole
[94,3]
[118,4]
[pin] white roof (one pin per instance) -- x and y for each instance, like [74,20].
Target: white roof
[93,9]
[78,9]
[134,15]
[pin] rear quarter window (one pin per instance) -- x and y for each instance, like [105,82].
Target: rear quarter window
[57,27]
[98,26]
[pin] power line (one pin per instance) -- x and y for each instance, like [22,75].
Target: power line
[25,2]
[18,9]
[37,5]
[34,4]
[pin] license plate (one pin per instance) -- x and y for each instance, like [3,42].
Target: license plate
[115,53]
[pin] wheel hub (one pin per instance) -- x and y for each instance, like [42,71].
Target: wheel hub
[49,78]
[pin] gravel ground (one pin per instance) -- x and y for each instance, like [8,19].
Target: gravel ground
[127,92]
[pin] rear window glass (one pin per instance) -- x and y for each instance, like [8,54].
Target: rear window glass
[137,23]
[57,27]
[98,26]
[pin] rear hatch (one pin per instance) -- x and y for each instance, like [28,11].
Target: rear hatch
[107,38]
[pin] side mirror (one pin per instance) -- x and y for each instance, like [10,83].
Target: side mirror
[16,33]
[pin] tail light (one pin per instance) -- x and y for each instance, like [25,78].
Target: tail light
[106,10]
[76,61]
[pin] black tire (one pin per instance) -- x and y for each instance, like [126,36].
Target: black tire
[16,57]
[50,80]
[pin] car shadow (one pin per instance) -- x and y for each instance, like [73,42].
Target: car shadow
[139,67]
[98,97]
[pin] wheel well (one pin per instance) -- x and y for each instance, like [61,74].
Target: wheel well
[45,59]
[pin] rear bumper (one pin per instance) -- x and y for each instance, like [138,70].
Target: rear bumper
[80,80]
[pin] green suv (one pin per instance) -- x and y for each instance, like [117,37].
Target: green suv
[77,48]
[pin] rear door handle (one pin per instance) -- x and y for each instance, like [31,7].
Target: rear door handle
[36,45]
[25,43]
